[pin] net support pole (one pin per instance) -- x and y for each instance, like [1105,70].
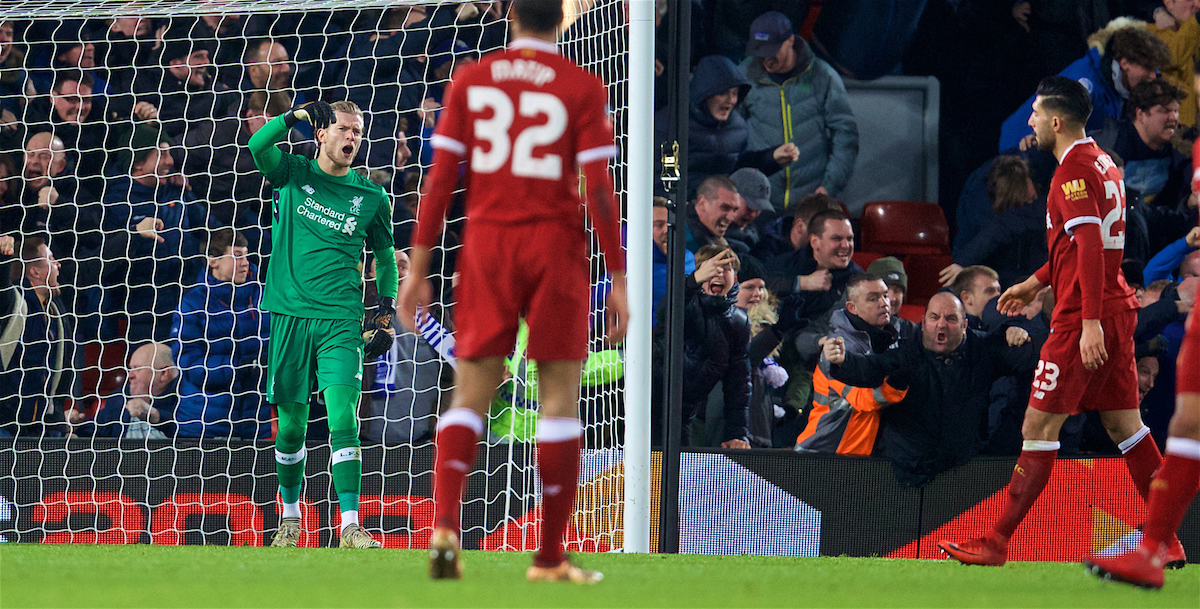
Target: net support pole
[639,275]
[678,62]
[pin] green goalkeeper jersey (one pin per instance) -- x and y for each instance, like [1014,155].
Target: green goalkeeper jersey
[319,225]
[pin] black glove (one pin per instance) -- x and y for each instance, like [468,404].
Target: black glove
[377,333]
[792,314]
[320,114]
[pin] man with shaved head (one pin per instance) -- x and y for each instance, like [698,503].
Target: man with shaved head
[148,398]
[52,203]
[942,420]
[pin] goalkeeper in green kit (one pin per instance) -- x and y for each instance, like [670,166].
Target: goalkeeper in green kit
[323,214]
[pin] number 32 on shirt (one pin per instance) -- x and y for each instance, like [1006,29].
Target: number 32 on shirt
[495,131]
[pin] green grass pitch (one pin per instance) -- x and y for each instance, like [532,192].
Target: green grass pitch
[197,576]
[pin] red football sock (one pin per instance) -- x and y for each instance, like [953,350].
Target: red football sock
[458,433]
[1029,478]
[558,463]
[1142,458]
[1172,491]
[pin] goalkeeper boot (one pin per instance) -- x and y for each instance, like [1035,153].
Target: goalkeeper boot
[444,551]
[288,534]
[989,551]
[1175,557]
[1141,567]
[355,536]
[563,572]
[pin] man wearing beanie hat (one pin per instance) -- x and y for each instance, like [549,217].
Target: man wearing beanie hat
[786,80]
[181,91]
[151,221]
[891,271]
[71,47]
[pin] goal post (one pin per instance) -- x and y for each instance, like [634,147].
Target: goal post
[385,55]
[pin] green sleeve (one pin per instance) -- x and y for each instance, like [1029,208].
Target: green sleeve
[379,232]
[262,145]
[387,275]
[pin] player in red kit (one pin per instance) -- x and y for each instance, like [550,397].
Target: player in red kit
[1087,363]
[1176,481]
[525,120]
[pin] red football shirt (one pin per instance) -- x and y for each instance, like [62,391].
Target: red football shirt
[1086,189]
[525,119]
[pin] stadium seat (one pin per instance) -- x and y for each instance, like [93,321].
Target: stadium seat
[103,372]
[894,228]
[923,272]
[912,312]
[864,259]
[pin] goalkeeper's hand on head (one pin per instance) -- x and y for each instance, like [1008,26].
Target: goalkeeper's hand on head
[319,113]
[378,334]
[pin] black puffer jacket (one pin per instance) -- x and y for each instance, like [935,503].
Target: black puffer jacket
[716,337]
[719,147]
[942,422]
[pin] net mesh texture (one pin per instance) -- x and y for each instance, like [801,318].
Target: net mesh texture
[96,95]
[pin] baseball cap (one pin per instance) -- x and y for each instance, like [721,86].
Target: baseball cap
[768,33]
[890,270]
[754,187]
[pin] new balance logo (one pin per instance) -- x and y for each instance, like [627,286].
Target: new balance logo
[309,189]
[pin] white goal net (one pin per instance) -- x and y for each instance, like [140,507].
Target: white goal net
[123,154]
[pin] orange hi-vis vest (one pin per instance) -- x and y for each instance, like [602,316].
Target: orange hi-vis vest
[845,419]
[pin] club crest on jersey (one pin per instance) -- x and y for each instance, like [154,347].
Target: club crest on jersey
[1075,190]
[308,189]
[356,205]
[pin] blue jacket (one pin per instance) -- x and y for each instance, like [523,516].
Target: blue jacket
[1094,71]
[1164,264]
[659,288]
[154,271]
[219,339]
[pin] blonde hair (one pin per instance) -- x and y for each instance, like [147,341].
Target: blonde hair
[347,106]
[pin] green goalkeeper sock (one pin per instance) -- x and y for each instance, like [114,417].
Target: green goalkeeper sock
[342,402]
[290,453]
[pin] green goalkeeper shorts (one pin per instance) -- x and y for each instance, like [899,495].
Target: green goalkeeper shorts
[331,350]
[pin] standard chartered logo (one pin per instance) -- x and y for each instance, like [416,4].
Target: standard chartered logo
[330,218]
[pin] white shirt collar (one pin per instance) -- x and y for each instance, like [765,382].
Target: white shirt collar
[535,44]
[1086,140]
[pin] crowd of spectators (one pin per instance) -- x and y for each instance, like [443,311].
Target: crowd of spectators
[953,381]
[135,221]
[139,218]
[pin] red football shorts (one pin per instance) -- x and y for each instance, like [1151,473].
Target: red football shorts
[538,271]
[1063,386]
[1187,367]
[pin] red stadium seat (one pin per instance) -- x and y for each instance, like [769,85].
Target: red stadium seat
[864,259]
[912,312]
[923,272]
[895,228]
[103,372]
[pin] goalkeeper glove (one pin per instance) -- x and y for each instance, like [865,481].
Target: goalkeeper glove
[319,113]
[377,333]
